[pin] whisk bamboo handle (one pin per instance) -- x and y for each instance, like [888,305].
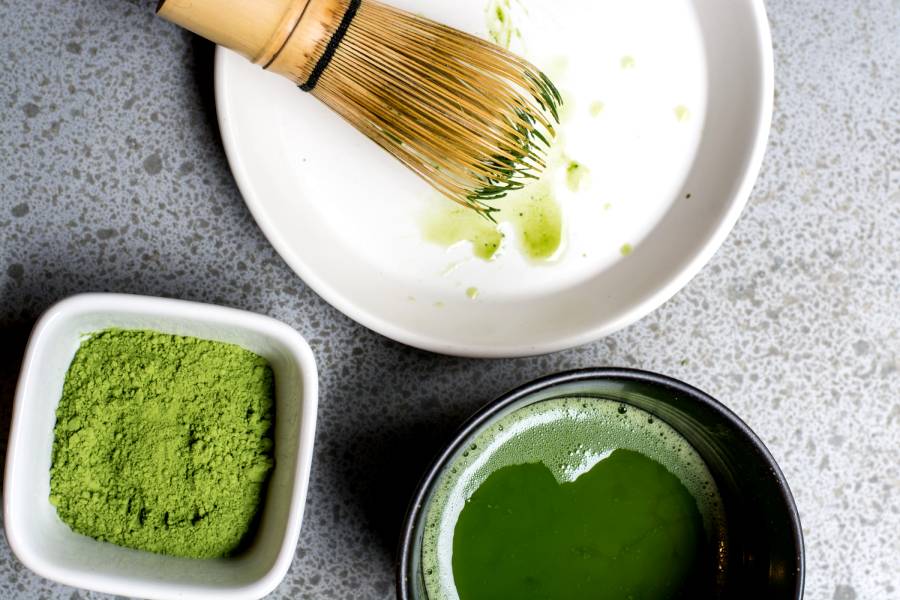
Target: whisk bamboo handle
[283,36]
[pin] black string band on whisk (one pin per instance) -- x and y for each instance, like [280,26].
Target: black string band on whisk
[332,47]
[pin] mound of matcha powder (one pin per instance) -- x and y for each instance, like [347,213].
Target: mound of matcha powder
[163,443]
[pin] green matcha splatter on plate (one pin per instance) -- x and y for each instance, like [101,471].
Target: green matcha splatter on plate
[533,213]
[578,176]
[501,26]
[449,224]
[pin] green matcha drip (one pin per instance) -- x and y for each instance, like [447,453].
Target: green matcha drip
[450,224]
[163,443]
[533,213]
[578,176]
[501,26]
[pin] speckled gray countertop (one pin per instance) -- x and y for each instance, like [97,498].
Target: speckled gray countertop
[112,178]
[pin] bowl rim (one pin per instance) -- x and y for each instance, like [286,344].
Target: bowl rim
[98,303]
[489,411]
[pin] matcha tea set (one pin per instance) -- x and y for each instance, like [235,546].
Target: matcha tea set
[557,180]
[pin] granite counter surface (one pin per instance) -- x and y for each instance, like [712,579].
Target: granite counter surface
[112,178]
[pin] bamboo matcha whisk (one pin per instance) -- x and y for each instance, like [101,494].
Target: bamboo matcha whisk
[472,119]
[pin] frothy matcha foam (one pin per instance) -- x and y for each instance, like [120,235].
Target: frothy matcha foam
[570,436]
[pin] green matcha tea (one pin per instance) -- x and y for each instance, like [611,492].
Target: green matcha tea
[575,499]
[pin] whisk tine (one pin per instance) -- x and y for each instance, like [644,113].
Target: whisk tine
[472,119]
[417,104]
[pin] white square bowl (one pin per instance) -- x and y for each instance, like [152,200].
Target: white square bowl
[48,547]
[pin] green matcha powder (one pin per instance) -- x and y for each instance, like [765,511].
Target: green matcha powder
[163,443]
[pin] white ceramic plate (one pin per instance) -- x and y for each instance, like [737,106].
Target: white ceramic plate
[686,88]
